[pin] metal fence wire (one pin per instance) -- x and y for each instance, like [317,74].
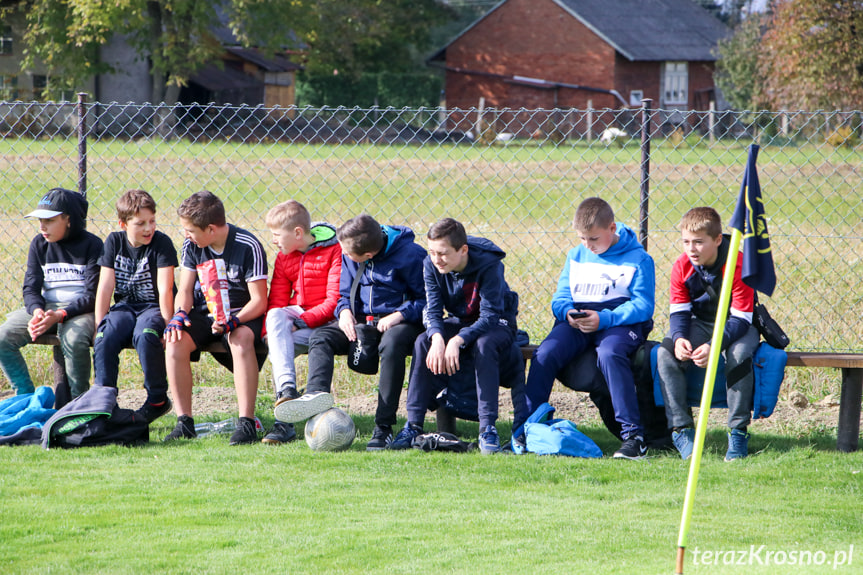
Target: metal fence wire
[514,176]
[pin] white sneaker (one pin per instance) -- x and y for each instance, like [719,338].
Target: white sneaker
[304,407]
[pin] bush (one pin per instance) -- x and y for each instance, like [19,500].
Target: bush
[384,89]
[843,137]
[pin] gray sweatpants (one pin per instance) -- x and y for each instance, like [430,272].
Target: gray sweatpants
[740,379]
[76,337]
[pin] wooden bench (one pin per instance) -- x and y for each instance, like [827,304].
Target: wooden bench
[850,364]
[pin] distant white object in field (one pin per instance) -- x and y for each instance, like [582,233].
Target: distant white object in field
[504,137]
[611,134]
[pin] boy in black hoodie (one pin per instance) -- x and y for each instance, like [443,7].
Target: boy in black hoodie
[464,276]
[59,292]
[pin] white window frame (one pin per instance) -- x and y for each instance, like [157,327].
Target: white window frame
[675,83]
[7,42]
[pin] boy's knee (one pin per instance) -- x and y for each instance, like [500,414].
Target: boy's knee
[242,339]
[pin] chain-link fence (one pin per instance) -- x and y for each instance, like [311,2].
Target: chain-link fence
[514,176]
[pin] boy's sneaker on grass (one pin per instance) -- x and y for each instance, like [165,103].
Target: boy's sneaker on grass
[381,438]
[281,433]
[185,429]
[405,437]
[632,448]
[246,432]
[287,393]
[738,445]
[151,413]
[489,442]
[304,407]
[684,441]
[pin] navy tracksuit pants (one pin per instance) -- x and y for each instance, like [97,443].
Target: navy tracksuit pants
[614,346]
[143,328]
[485,355]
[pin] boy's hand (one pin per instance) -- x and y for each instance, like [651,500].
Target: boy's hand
[586,324]
[682,349]
[453,352]
[175,327]
[232,324]
[347,324]
[46,321]
[38,315]
[389,321]
[701,354]
[435,360]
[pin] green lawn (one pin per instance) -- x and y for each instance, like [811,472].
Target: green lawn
[204,507]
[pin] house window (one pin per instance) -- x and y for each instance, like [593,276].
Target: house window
[635,97]
[40,84]
[8,87]
[675,83]
[5,40]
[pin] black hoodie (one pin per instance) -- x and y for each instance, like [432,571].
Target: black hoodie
[64,272]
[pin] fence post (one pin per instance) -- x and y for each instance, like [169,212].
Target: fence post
[589,121]
[82,145]
[645,170]
[711,121]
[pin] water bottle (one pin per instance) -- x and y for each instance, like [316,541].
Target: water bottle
[370,320]
[223,427]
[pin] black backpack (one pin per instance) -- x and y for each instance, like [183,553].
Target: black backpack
[94,418]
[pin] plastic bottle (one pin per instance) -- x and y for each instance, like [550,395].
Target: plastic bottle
[223,427]
[370,320]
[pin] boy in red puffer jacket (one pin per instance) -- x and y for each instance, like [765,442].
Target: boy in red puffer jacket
[303,294]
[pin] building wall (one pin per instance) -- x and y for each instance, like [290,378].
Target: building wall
[533,38]
[131,81]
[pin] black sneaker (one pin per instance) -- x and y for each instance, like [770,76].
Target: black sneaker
[246,432]
[381,438]
[287,393]
[281,433]
[632,448]
[185,429]
[151,413]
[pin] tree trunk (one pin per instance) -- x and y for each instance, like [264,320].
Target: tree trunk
[164,96]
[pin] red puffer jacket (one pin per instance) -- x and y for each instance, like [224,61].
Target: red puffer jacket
[311,279]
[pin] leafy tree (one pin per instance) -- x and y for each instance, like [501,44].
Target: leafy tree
[357,36]
[812,55]
[178,36]
[737,70]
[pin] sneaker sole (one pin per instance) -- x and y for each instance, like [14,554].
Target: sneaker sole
[622,456]
[297,410]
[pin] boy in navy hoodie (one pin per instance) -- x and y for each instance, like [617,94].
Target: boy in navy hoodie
[138,270]
[604,298]
[464,276]
[388,293]
[59,292]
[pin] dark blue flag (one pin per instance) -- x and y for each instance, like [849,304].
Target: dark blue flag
[758,271]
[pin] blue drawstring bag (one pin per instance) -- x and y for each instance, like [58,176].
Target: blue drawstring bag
[546,436]
[27,409]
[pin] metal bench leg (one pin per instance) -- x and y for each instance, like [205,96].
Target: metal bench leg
[848,433]
[62,392]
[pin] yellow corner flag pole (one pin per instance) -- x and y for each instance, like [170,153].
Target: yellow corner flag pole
[707,396]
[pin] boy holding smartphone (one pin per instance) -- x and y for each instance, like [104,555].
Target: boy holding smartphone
[604,298]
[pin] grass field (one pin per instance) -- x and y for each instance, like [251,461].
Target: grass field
[205,507]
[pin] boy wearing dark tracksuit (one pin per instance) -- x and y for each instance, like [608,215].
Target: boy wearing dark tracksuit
[59,292]
[389,293]
[464,276]
[138,270]
[604,298]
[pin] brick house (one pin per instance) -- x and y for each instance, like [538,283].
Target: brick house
[569,53]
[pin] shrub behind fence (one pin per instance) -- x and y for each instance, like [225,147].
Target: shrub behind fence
[514,176]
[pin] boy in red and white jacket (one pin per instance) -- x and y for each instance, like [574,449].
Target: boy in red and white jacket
[303,294]
[696,281]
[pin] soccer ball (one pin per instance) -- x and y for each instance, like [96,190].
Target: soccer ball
[332,430]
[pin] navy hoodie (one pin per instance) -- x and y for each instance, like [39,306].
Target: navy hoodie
[392,280]
[64,272]
[478,295]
